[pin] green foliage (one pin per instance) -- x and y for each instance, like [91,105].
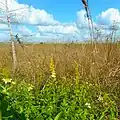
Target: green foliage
[57,101]
[6,85]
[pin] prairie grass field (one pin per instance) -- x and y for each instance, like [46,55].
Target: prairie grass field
[71,81]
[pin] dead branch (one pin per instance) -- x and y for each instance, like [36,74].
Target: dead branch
[12,38]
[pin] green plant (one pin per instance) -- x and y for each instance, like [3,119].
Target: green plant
[6,84]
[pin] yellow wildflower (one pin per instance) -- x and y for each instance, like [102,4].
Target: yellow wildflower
[30,87]
[7,80]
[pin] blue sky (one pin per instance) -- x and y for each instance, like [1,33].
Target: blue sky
[65,10]
[57,20]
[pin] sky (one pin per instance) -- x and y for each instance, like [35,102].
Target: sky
[65,10]
[57,20]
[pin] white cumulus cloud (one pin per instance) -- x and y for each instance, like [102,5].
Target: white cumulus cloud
[28,14]
[47,27]
[109,16]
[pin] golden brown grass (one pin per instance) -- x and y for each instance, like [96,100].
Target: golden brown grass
[100,65]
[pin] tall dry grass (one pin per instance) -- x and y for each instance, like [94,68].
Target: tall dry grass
[99,65]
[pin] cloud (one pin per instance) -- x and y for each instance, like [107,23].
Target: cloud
[109,16]
[77,30]
[24,30]
[24,15]
[63,31]
[45,23]
[28,14]
[58,29]
[106,19]
[41,17]
[46,27]
[81,20]
[36,17]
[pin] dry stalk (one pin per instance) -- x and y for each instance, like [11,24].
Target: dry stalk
[12,39]
[90,22]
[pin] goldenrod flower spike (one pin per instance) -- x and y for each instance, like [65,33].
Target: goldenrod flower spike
[52,68]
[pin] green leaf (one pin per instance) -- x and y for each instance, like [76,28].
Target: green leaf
[58,116]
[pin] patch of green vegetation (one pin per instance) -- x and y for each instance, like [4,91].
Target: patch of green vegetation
[55,101]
